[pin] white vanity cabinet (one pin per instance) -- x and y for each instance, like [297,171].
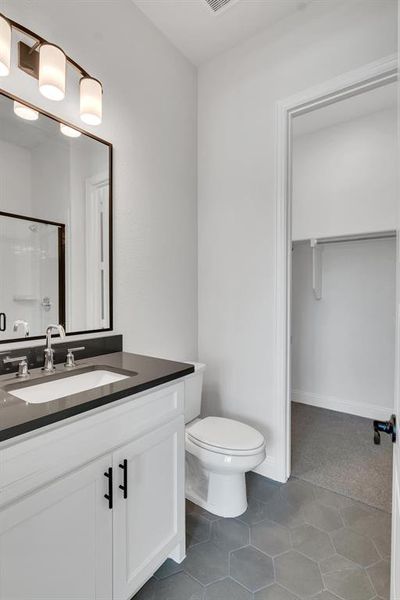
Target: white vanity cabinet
[77,537]
[56,542]
[148,520]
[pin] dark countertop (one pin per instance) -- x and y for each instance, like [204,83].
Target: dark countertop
[144,372]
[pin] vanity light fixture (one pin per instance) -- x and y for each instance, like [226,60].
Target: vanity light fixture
[48,63]
[52,72]
[25,112]
[69,131]
[5,46]
[91,92]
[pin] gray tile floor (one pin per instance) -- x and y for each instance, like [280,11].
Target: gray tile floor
[296,541]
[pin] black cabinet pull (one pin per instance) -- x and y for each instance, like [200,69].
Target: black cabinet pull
[109,496]
[3,321]
[124,486]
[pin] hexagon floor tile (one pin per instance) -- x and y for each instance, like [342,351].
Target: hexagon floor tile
[270,537]
[367,521]
[252,568]
[295,542]
[355,547]
[350,584]
[312,542]
[198,528]
[274,592]
[178,587]
[325,595]
[207,563]
[256,511]
[324,517]
[298,574]
[227,588]
[337,562]
[230,534]
[170,567]
[297,492]
[380,577]
[261,488]
[280,511]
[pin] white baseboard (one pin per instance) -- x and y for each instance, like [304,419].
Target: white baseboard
[369,411]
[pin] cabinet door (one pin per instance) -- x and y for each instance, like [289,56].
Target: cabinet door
[57,542]
[149,522]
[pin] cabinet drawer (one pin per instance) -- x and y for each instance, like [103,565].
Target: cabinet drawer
[33,462]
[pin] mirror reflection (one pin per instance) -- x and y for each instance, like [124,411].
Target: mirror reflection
[55,226]
[32,289]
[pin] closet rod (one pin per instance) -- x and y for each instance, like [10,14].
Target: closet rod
[384,235]
[316,249]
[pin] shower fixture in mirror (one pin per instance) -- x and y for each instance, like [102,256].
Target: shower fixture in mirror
[55,225]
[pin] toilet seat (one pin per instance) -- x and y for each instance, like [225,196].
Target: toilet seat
[225,436]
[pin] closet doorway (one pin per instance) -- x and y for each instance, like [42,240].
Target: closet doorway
[337,325]
[343,318]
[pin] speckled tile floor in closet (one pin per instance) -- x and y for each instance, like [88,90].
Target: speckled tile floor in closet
[296,541]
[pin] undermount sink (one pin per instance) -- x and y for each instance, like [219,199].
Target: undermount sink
[66,386]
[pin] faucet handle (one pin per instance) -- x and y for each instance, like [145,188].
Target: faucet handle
[70,359]
[13,359]
[23,370]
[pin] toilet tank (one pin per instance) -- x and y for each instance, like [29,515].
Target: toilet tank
[193,388]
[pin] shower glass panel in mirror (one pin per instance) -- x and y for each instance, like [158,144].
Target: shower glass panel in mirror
[55,226]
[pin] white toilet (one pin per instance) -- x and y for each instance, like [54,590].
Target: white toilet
[218,454]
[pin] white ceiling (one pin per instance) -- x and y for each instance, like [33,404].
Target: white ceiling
[201,34]
[381,98]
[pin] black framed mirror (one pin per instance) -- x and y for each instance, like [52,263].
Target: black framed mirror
[55,225]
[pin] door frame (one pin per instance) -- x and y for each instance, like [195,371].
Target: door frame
[366,78]
[99,302]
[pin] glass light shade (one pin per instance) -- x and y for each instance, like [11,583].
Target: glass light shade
[5,47]
[91,101]
[23,111]
[52,69]
[69,131]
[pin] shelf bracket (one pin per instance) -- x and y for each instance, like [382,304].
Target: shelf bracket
[316,268]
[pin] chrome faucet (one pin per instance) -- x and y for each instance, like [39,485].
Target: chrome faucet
[48,351]
[24,324]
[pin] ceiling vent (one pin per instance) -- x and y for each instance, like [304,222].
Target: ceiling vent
[218,5]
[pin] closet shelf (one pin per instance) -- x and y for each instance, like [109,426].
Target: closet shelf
[360,237]
[316,246]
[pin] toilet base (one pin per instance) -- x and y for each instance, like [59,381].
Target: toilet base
[225,495]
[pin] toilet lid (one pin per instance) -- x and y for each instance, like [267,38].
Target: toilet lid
[226,434]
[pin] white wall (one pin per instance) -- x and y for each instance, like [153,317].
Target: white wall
[150,117]
[237,96]
[50,189]
[345,178]
[15,178]
[343,344]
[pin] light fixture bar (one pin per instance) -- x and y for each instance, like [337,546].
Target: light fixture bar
[40,40]
[28,60]
[47,63]
[5,46]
